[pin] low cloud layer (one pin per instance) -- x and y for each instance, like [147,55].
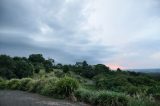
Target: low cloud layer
[124,33]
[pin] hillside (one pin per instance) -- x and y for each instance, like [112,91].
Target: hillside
[93,84]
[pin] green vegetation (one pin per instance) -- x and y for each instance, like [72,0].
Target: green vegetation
[94,84]
[102,98]
[66,86]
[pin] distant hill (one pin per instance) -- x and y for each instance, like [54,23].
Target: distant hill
[146,70]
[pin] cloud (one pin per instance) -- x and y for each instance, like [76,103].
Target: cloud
[130,27]
[51,27]
[124,33]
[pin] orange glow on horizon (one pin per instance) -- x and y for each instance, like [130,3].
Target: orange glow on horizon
[115,66]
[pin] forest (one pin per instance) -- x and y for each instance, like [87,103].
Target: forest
[96,85]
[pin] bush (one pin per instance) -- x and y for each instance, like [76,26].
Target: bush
[32,85]
[84,95]
[88,73]
[117,83]
[2,83]
[141,80]
[65,68]
[59,73]
[142,100]
[101,98]
[13,84]
[106,98]
[23,69]
[23,84]
[40,85]
[132,90]
[66,86]
[154,90]
[49,87]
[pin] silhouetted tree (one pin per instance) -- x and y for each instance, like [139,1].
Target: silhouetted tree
[84,64]
[48,65]
[23,69]
[36,58]
[119,70]
[101,68]
[65,68]
[6,62]
[6,67]
[59,66]
[7,73]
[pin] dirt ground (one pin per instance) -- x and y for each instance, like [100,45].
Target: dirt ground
[20,98]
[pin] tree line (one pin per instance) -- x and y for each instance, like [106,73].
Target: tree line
[20,67]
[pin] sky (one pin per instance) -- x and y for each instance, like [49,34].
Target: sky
[117,33]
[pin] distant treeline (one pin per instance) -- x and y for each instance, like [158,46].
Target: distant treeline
[20,67]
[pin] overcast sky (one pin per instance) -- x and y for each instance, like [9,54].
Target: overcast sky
[118,33]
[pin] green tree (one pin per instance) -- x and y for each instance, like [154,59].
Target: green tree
[6,67]
[59,66]
[84,64]
[23,69]
[101,68]
[36,58]
[6,62]
[7,73]
[48,65]
[65,68]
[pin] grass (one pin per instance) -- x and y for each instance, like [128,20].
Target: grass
[53,84]
[102,98]
[142,100]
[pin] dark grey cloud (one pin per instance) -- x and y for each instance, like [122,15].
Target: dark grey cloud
[51,27]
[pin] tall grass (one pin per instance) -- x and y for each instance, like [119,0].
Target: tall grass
[102,98]
[66,86]
[2,83]
[13,84]
[142,100]
[23,83]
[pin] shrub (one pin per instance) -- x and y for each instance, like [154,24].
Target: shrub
[23,83]
[142,100]
[153,90]
[49,87]
[106,98]
[132,90]
[88,73]
[32,85]
[23,69]
[141,80]
[66,86]
[65,68]
[117,83]
[101,98]
[84,95]
[40,85]
[59,73]
[13,84]
[2,83]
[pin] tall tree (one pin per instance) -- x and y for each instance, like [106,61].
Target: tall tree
[36,58]
[65,68]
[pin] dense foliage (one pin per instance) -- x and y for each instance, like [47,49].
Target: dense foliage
[66,86]
[93,84]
